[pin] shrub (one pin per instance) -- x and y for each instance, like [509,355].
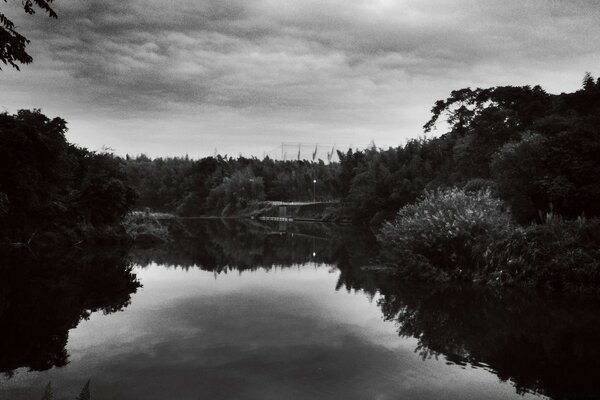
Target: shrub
[445,229]
[145,228]
[453,234]
[237,192]
[561,255]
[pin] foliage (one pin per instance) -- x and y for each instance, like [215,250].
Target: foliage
[12,43]
[384,181]
[539,151]
[444,229]
[453,234]
[515,168]
[236,192]
[558,254]
[47,184]
[211,184]
[144,227]
[536,151]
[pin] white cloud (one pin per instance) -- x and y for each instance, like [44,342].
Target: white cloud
[251,73]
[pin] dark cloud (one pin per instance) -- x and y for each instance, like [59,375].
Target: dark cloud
[264,61]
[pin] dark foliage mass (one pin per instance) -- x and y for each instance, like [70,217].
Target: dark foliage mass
[224,185]
[51,188]
[537,150]
[515,200]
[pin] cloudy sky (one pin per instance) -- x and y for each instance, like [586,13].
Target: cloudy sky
[174,77]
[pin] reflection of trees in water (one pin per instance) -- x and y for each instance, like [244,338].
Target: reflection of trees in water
[221,245]
[42,297]
[542,344]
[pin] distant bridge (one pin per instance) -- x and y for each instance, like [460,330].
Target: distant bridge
[286,211]
[299,203]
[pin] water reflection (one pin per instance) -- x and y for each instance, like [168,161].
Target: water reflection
[280,331]
[43,296]
[541,344]
[221,245]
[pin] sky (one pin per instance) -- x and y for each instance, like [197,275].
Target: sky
[177,77]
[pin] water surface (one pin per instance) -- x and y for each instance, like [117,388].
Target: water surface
[239,311]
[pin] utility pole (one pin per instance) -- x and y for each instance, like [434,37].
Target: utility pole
[314,190]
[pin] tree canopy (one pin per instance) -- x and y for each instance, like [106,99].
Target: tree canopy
[12,43]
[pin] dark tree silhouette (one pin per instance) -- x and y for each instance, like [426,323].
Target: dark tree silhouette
[12,43]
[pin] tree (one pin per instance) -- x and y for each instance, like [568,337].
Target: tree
[12,43]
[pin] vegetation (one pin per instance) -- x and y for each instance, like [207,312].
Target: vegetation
[224,185]
[444,234]
[537,155]
[453,234]
[144,227]
[513,160]
[536,151]
[12,43]
[52,191]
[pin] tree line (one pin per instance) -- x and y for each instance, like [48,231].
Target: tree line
[52,190]
[535,151]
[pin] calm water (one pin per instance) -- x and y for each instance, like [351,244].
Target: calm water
[248,311]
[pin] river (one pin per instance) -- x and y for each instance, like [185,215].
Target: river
[241,310]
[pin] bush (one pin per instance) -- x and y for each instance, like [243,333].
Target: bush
[445,229]
[145,228]
[561,255]
[453,234]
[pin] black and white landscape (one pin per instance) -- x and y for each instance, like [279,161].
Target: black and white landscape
[296,199]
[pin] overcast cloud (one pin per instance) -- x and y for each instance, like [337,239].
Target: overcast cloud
[188,76]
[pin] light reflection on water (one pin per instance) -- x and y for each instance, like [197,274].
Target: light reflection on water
[248,311]
[282,333]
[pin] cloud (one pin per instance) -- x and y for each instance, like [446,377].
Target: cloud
[339,64]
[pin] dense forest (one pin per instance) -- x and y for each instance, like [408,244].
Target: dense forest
[536,150]
[509,193]
[51,190]
[224,185]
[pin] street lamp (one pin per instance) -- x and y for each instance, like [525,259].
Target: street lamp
[314,188]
